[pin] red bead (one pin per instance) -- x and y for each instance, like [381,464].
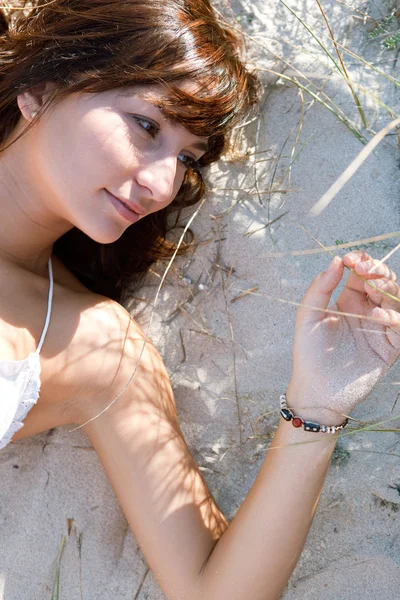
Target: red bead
[297,422]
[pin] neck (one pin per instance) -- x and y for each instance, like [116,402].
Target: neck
[28,227]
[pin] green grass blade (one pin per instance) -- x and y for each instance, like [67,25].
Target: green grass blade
[310,31]
[55,595]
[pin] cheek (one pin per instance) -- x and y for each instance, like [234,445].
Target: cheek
[108,149]
[82,151]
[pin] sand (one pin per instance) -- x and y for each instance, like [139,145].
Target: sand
[52,485]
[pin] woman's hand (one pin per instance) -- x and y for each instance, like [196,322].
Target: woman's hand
[337,359]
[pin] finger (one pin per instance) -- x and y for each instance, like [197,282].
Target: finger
[376,293]
[374,269]
[319,293]
[391,320]
[351,258]
[354,282]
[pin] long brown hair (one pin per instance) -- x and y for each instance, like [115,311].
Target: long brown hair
[96,45]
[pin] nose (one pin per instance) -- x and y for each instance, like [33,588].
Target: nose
[159,178]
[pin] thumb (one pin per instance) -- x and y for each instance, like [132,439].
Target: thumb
[319,293]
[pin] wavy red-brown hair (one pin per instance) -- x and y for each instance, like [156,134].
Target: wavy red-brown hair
[96,45]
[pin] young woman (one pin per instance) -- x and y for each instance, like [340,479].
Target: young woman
[108,112]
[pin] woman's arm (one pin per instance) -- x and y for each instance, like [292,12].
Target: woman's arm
[257,554]
[188,543]
[191,548]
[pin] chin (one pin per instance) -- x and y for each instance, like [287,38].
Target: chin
[104,236]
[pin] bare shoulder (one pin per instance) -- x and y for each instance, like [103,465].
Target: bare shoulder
[92,348]
[110,353]
[90,337]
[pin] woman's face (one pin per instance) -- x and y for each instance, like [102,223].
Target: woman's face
[93,153]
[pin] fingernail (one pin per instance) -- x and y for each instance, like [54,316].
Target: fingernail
[368,264]
[334,263]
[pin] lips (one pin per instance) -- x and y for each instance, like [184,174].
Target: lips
[128,210]
[139,210]
[134,207]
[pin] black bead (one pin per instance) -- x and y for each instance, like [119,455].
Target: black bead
[286,414]
[310,426]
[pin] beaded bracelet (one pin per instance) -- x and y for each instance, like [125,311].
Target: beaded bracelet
[287,414]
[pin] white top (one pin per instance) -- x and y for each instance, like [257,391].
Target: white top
[20,382]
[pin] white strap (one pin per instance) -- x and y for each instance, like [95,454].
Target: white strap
[49,305]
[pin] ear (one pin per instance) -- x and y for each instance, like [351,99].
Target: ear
[34,98]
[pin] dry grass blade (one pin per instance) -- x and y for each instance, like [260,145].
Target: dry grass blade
[309,251]
[363,15]
[311,32]
[311,236]
[294,158]
[393,80]
[252,193]
[207,334]
[371,426]
[383,292]
[324,310]
[338,114]
[392,116]
[248,233]
[342,69]
[257,141]
[395,402]
[183,347]
[271,192]
[244,294]
[331,312]
[385,258]
[352,169]
[235,203]
[356,98]
[336,111]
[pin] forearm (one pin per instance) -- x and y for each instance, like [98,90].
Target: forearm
[193,551]
[257,554]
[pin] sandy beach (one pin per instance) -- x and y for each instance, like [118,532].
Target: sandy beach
[224,326]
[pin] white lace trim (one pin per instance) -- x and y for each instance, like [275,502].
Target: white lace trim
[29,392]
